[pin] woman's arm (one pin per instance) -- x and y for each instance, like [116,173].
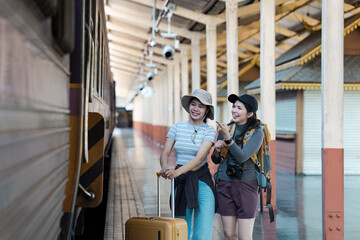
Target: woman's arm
[164,157]
[215,157]
[250,148]
[203,151]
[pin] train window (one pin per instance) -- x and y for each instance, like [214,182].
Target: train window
[87,13]
[88,44]
[96,53]
[93,13]
[105,69]
[103,66]
[98,60]
[106,76]
[107,89]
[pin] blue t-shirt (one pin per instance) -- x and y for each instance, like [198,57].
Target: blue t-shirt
[188,141]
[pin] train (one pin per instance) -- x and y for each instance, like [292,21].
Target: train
[57,115]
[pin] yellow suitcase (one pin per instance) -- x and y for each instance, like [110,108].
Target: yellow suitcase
[154,228]
[157,228]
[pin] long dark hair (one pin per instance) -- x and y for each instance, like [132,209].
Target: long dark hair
[252,123]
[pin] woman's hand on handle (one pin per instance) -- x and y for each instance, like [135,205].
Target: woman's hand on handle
[162,173]
[171,173]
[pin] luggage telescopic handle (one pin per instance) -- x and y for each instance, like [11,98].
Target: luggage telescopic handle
[158,174]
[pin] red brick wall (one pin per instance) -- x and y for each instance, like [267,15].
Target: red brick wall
[157,133]
[285,155]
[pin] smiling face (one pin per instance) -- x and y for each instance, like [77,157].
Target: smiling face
[197,110]
[239,113]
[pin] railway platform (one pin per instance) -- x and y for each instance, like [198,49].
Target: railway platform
[132,192]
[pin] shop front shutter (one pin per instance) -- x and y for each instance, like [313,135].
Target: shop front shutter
[352,132]
[286,112]
[312,132]
[286,124]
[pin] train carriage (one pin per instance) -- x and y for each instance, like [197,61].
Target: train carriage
[56,115]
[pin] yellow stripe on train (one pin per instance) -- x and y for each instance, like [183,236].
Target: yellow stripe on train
[91,176]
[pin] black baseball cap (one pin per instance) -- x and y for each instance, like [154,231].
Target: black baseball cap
[245,99]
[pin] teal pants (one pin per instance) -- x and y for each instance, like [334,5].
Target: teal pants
[200,220]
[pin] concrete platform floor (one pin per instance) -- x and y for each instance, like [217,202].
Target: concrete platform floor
[135,159]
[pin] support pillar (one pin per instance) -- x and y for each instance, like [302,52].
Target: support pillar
[211,64]
[184,78]
[267,80]
[154,101]
[163,99]
[232,48]
[177,88]
[195,63]
[162,128]
[211,75]
[332,96]
[170,94]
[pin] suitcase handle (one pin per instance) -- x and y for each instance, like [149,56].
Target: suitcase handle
[158,174]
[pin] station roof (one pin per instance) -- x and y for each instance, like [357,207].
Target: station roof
[302,64]
[129,26]
[311,73]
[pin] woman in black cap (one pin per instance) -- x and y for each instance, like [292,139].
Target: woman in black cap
[192,140]
[237,188]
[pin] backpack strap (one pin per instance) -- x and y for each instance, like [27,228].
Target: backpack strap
[257,159]
[254,157]
[269,206]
